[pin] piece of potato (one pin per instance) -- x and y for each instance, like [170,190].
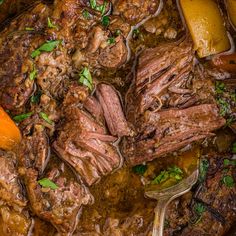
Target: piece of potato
[206,26]
[231,8]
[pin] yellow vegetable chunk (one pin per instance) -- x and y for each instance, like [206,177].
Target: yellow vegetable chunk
[206,26]
[231,8]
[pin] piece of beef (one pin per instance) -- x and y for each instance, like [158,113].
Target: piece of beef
[112,109]
[83,142]
[133,11]
[171,103]
[34,150]
[60,206]
[11,191]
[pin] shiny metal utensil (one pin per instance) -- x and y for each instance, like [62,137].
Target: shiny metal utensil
[165,196]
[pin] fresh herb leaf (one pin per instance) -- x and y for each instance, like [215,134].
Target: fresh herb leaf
[45,117]
[100,8]
[234,148]
[33,73]
[86,14]
[228,181]
[224,107]
[51,25]
[46,47]
[111,40]
[219,87]
[228,162]
[204,165]
[199,208]
[105,21]
[22,117]
[1,2]
[93,4]
[29,29]
[139,169]
[135,33]
[171,173]
[86,78]
[117,32]
[35,98]
[47,183]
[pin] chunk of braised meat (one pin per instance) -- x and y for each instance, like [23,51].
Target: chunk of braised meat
[34,150]
[171,103]
[83,142]
[135,11]
[11,191]
[60,206]
[112,109]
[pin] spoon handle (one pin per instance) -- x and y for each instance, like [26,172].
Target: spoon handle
[159,219]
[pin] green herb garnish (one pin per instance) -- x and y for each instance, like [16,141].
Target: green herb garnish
[105,21]
[35,98]
[46,47]
[228,181]
[199,208]
[1,2]
[86,14]
[228,162]
[224,106]
[111,40]
[29,29]
[47,183]
[135,33]
[117,32]
[86,78]
[139,169]
[204,165]
[45,117]
[219,87]
[100,8]
[22,117]
[51,25]
[33,73]
[174,173]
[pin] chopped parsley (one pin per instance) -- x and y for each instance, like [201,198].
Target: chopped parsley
[45,117]
[35,98]
[228,162]
[51,25]
[105,21]
[219,87]
[47,183]
[174,173]
[224,107]
[228,181]
[33,73]
[117,32]
[86,78]
[86,14]
[46,47]
[100,8]
[139,169]
[111,40]
[199,208]
[29,29]
[204,165]
[22,117]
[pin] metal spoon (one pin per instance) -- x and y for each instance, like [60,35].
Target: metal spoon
[165,196]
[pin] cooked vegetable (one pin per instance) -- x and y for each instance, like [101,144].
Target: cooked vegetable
[29,29]
[50,24]
[86,78]
[231,8]
[46,47]
[228,162]
[228,181]
[206,26]
[225,62]
[22,117]
[139,169]
[45,117]
[47,183]
[10,135]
